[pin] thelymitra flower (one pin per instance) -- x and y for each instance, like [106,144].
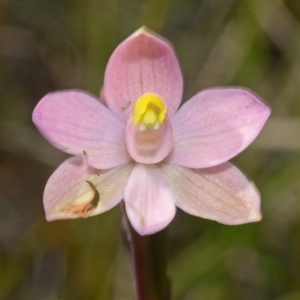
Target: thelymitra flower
[141,148]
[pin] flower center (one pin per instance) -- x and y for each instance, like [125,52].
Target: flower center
[149,135]
[149,112]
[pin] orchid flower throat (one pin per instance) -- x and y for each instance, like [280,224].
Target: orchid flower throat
[149,112]
[149,136]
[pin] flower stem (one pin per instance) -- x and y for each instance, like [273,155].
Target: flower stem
[149,262]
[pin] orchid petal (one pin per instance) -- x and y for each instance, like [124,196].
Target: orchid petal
[220,193]
[149,202]
[76,190]
[143,63]
[78,123]
[215,125]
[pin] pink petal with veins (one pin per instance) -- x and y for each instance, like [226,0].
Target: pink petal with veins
[149,202]
[216,125]
[78,123]
[76,190]
[143,63]
[219,193]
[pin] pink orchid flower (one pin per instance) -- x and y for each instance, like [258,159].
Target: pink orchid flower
[141,148]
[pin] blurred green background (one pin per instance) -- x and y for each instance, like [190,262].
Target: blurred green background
[48,45]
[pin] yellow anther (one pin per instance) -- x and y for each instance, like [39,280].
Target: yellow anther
[149,110]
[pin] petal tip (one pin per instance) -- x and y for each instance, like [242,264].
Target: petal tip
[36,114]
[265,107]
[50,217]
[144,225]
[251,216]
[142,30]
[255,216]
[267,111]
[144,229]
[253,211]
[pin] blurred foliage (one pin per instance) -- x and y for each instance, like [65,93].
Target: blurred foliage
[48,45]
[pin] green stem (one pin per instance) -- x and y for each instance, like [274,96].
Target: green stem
[149,262]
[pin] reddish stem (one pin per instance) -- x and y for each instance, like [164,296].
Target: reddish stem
[149,263]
